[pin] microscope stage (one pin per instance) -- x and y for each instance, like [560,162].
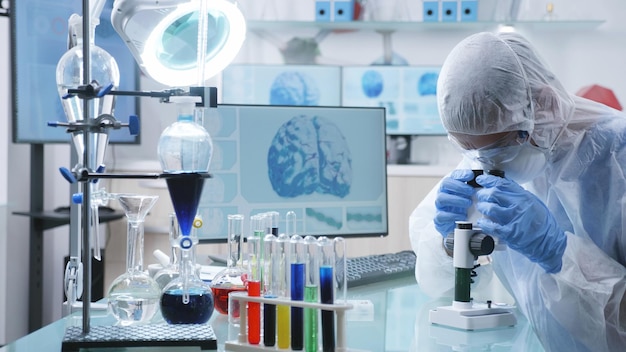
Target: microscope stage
[473,318]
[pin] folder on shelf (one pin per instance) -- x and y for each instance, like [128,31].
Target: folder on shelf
[322,11]
[343,10]
[449,12]
[431,11]
[469,11]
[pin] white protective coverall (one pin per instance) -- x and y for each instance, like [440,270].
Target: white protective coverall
[496,82]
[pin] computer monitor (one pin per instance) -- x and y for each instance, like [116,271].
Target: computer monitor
[39,38]
[326,164]
[407,92]
[306,85]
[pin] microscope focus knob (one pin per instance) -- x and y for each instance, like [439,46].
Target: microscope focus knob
[481,244]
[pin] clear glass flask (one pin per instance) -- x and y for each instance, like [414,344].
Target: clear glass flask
[234,277]
[187,299]
[185,146]
[133,297]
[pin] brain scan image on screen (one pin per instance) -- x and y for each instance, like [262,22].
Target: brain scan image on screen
[294,88]
[372,83]
[309,154]
[427,84]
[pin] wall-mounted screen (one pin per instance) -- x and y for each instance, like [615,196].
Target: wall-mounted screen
[39,38]
[407,92]
[301,85]
[326,164]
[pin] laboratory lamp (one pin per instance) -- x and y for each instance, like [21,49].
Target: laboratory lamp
[163,37]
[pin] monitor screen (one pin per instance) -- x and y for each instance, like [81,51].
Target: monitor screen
[326,164]
[39,38]
[306,85]
[407,92]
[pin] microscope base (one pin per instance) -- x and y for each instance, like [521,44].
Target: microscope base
[469,317]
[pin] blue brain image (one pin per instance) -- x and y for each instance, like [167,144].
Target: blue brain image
[294,88]
[372,83]
[309,155]
[427,84]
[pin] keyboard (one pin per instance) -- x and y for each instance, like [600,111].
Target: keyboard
[379,267]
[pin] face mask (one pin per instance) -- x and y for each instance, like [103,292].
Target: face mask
[529,163]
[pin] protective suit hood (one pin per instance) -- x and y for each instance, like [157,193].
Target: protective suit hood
[496,82]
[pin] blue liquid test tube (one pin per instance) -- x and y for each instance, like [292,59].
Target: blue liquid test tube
[298,258]
[327,291]
[269,309]
[282,288]
[311,294]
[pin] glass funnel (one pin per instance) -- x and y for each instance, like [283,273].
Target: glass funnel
[234,277]
[187,299]
[133,297]
[164,276]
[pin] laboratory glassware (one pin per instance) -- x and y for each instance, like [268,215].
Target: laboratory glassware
[185,149]
[327,291]
[254,283]
[170,272]
[297,253]
[311,294]
[187,299]
[69,75]
[185,146]
[133,297]
[282,289]
[269,275]
[234,277]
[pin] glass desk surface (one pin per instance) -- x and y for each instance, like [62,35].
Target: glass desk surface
[396,320]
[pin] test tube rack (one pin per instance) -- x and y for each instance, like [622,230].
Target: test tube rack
[242,345]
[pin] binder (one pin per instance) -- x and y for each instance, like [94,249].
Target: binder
[431,11]
[469,11]
[449,12]
[322,11]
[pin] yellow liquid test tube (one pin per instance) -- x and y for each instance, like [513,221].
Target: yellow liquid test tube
[283,312]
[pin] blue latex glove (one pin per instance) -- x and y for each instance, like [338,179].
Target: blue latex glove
[453,200]
[521,220]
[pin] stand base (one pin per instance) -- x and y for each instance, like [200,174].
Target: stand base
[470,317]
[150,335]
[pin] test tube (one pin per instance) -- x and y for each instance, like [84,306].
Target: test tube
[282,289]
[269,309]
[254,283]
[327,291]
[297,253]
[340,270]
[274,219]
[311,294]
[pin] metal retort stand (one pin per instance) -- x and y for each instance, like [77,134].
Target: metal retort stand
[76,337]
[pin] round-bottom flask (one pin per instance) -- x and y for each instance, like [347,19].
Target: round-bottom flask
[234,277]
[187,299]
[133,297]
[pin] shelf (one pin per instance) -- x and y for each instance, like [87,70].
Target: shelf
[52,219]
[425,26]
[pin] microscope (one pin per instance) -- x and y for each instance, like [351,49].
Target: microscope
[467,243]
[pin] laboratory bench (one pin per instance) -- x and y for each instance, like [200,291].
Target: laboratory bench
[389,316]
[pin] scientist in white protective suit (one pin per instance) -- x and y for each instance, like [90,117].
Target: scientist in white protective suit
[561,208]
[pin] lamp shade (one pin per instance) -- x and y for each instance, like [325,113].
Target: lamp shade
[163,37]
